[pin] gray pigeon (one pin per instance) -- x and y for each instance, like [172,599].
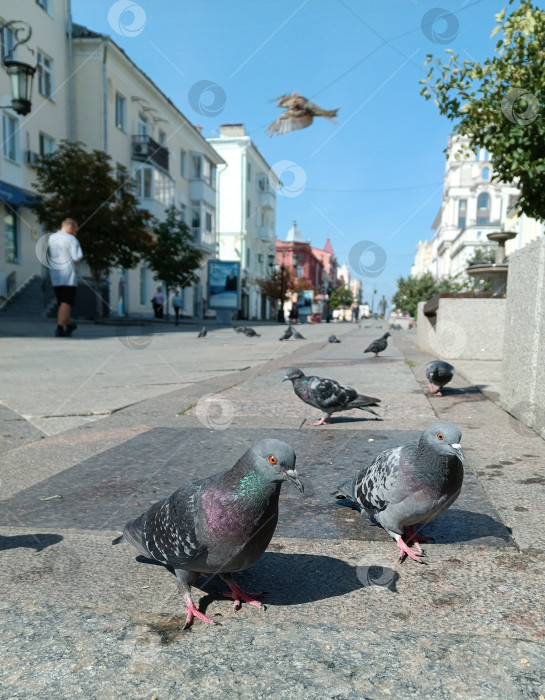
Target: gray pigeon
[378,345]
[328,395]
[202,332]
[238,329]
[439,373]
[250,332]
[217,525]
[286,335]
[410,484]
[333,339]
[298,336]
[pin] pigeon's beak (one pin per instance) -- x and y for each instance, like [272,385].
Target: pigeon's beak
[294,478]
[458,450]
[285,379]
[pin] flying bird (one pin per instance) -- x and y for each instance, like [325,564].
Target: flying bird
[217,525]
[378,345]
[439,373]
[328,395]
[286,335]
[410,484]
[299,113]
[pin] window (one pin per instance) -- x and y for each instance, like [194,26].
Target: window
[485,173]
[152,183]
[162,138]
[196,167]
[483,201]
[144,180]
[479,235]
[143,125]
[144,300]
[462,208]
[8,41]
[183,215]
[120,173]
[183,163]
[44,4]
[9,130]
[247,257]
[249,172]
[45,74]
[11,234]
[248,208]
[208,221]
[47,144]
[120,111]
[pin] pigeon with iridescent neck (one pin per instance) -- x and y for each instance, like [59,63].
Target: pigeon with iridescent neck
[410,484]
[439,373]
[217,525]
[328,395]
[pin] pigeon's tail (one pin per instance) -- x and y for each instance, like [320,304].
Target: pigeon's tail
[370,410]
[119,540]
[327,113]
[347,490]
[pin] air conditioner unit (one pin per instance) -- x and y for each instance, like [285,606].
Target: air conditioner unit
[139,149]
[32,158]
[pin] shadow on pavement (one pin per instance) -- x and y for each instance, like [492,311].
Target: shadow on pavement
[38,541]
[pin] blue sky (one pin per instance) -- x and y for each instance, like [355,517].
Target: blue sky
[374,176]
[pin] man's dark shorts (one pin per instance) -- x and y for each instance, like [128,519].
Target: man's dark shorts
[65,294]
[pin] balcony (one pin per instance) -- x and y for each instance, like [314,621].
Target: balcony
[145,149]
[200,190]
[267,199]
[205,240]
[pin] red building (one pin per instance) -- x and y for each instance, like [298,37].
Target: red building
[297,254]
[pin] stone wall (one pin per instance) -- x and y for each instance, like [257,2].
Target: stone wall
[464,329]
[523,386]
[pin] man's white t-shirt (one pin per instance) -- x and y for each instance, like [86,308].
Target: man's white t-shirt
[64,251]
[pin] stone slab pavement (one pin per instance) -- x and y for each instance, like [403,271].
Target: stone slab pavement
[80,618]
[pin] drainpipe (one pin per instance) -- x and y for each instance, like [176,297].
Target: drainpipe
[71,96]
[105,97]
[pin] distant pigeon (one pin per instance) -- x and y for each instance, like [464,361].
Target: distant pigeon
[299,114]
[286,335]
[250,332]
[333,339]
[217,525]
[202,333]
[410,484]
[238,329]
[298,336]
[439,373]
[378,345]
[328,395]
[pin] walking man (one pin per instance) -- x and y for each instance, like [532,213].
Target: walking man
[177,305]
[64,252]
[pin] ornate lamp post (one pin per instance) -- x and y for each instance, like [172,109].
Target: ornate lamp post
[21,73]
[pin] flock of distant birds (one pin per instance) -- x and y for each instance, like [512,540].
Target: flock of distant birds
[224,523]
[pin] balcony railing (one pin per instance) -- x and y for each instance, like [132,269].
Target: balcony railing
[144,148]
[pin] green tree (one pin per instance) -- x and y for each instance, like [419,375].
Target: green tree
[75,183]
[172,255]
[496,103]
[341,296]
[272,286]
[412,290]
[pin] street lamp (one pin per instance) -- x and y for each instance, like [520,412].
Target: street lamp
[21,73]
[281,309]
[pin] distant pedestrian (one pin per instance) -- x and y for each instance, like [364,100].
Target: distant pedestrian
[177,305]
[158,303]
[64,251]
[294,313]
[355,313]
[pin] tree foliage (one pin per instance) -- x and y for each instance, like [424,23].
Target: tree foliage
[497,103]
[272,286]
[75,183]
[342,296]
[412,290]
[172,255]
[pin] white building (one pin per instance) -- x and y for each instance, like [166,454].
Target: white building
[472,206]
[246,207]
[423,259]
[24,138]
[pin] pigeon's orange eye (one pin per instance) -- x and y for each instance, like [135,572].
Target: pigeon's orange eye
[440,436]
[272,460]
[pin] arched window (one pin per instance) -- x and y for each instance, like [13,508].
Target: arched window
[485,173]
[483,201]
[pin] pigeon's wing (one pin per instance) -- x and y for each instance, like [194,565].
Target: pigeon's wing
[167,532]
[377,486]
[329,395]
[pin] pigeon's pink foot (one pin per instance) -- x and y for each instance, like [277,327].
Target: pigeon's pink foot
[240,596]
[407,550]
[430,387]
[412,538]
[438,392]
[192,613]
[322,421]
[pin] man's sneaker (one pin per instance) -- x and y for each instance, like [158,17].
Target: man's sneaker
[69,329]
[60,332]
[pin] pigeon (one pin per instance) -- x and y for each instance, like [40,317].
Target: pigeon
[251,333]
[202,333]
[286,335]
[378,345]
[298,336]
[328,395]
[410,484]
[299,114]
[333,339]
[439,373]
[217,525]
[238,329]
